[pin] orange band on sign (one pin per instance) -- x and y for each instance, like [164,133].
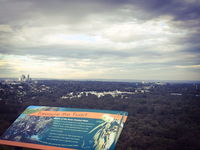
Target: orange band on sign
[92,115]
[30,145]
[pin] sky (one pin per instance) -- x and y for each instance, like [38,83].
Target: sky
[100,39]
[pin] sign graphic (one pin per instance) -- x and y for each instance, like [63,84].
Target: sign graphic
[57,128]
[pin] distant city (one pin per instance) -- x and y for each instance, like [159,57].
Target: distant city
[26,87]
[24,78]
[160,113]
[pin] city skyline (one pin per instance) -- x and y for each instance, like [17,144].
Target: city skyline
[129,39]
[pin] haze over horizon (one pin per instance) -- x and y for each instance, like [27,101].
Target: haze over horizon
[104,39]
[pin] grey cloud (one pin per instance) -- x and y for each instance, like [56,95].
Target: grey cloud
[179,9]
[50,10]
[79,9]
[78,52]
[192,38]
[79,15]
[32,12]
[13,10]
[108,57]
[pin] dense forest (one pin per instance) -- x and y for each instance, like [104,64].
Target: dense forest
[162,116]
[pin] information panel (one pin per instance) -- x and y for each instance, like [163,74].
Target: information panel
[57,128]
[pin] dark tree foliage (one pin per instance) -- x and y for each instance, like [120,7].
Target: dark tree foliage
[158,119]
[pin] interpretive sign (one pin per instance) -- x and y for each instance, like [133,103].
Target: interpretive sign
[57,128]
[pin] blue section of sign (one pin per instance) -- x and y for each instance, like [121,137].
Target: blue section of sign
[68,132]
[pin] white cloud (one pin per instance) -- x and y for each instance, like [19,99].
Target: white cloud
[5,28]
[101,40]
[188,66]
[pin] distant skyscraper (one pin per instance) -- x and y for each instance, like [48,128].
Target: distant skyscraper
[23,78]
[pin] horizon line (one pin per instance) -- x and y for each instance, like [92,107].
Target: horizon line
[114,80]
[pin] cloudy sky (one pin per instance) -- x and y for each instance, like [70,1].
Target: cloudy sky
[100,39]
